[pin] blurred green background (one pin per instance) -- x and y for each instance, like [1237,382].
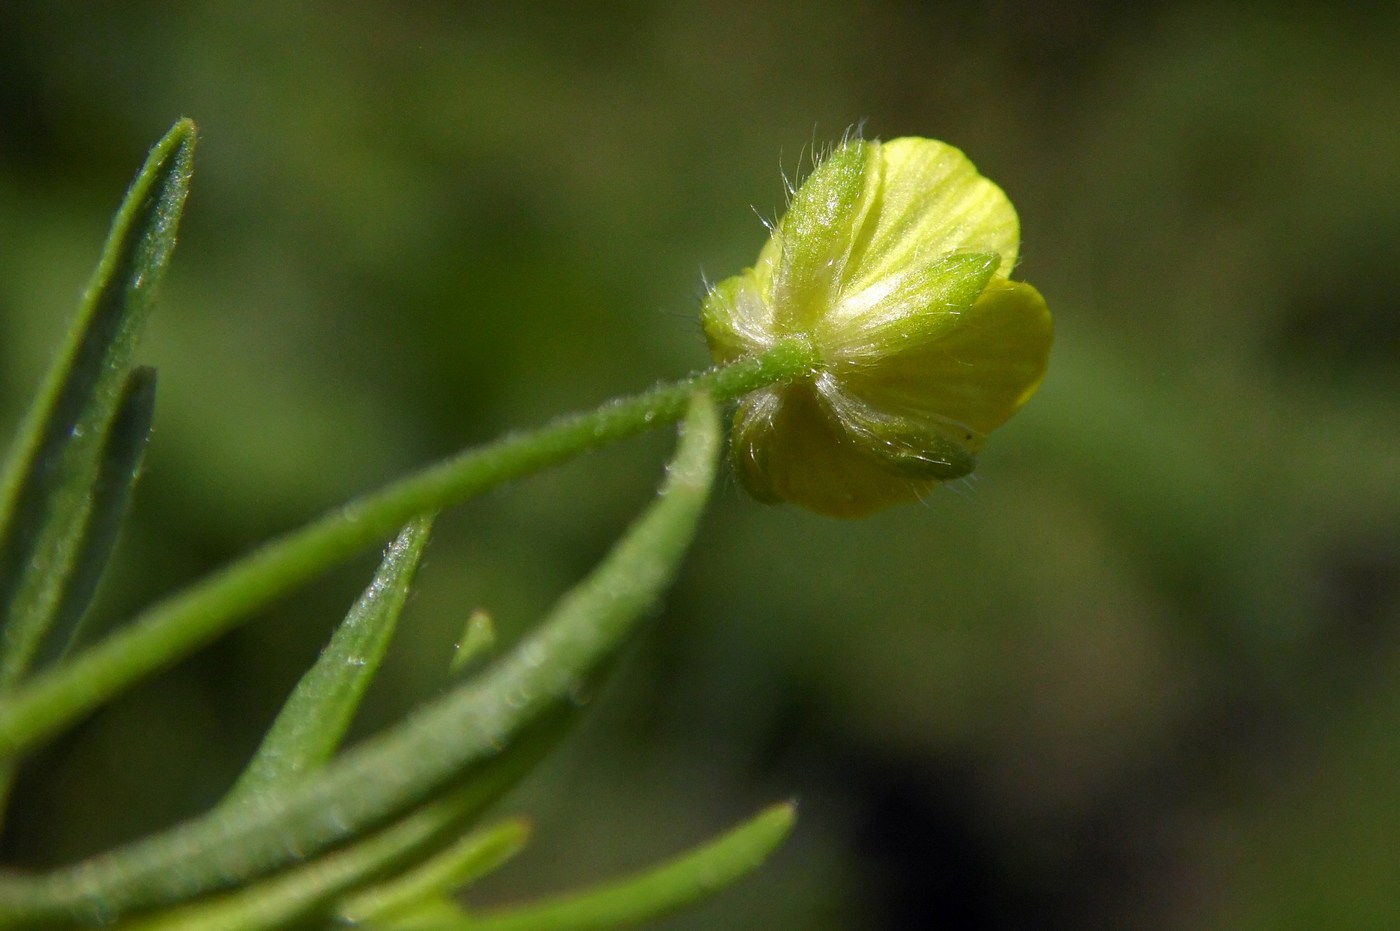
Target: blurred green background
[1143,670]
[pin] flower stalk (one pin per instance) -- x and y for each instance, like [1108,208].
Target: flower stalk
[178,626]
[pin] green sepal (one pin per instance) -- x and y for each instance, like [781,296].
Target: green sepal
[734,317]
[816,234]
[905,311]
[917,451]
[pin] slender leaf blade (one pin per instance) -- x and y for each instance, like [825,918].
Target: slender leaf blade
[119,466]
[439,743]
[652,894]
[315,718]
[478,637]
[308,891]
[425,886]
[69,588]
[47,480]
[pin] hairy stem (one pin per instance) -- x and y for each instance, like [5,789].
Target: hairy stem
[185,621]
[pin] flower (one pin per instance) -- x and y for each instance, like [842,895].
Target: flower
[893,263]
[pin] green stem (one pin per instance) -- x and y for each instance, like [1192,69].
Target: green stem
[186,621]
[483,733]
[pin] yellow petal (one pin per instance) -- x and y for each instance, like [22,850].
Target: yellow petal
[973,375]
[931,201]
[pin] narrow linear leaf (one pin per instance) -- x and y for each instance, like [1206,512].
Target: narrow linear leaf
[315,718]
[47,480]
[424,887]
[69,589]
[309,890]
[55,698]
[428,913]
[119,466]
[478,637]
[435,745]
[652,894]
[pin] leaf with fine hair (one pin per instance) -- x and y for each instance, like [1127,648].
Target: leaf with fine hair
[478,637]
[118,467]
[310,891]
[424,889]
[430,750]
[316,716]
[48,479]
[651,894]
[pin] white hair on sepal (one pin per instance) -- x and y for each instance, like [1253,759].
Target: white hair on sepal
[818,153]
[923,493]
[770,225]
[706,286]
[855,131]
[789,188]
[965,487]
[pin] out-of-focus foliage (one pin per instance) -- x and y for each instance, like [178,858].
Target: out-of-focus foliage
[1142,669]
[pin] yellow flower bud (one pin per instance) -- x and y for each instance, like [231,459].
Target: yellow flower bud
[893,262]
